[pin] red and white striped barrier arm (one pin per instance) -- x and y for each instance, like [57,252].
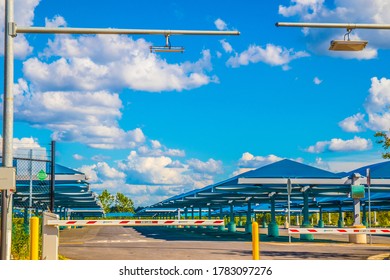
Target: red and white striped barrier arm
[338,230]
[135,222]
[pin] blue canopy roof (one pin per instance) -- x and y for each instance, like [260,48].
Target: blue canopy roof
[62,170]
[289,169]
[378,170]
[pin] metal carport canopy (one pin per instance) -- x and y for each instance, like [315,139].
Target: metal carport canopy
[256,185]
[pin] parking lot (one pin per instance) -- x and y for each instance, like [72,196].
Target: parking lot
[162,243]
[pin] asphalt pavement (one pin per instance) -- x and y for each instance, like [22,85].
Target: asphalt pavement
[163,243]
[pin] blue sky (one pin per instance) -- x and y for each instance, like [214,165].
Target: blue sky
[153,125]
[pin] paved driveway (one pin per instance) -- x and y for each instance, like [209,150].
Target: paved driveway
[162,243]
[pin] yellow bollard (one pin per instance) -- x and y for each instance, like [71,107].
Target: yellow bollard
[255,241]
[34,238]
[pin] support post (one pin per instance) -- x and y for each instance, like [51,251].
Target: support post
[50,237]
[320,221]
[248,225]
[221,216]
[273,228]
[306,222]
[34,238]
[8,130]
[209,217]
[364,217]
[231,224]
[263,221]
[340,222]
[255,241]
[52,175]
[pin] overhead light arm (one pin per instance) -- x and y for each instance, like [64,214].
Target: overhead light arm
[339,45]
[333,25]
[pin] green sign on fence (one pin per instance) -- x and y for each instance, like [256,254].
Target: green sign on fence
[41,175]
[357,191]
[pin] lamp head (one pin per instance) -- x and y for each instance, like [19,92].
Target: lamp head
[342,45]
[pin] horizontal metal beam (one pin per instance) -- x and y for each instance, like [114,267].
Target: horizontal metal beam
[67,30]
[339,230]
[298,181]
[334,25]
[135,222]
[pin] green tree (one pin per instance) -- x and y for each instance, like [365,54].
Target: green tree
[123,203]
[383,139]
[106,199]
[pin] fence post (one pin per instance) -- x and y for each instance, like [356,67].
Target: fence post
[50,237]
[34,238]
[255,241]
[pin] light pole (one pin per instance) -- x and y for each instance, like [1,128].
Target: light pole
[10,32]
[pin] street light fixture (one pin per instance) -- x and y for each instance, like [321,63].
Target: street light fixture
[10,32]
[339,45]
[347,45]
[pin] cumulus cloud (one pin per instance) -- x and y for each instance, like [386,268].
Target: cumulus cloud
[56,21]
[376,105]
[78,157]
[24,16]
[350,11]
[113,62]
[226,46]
[340,145]
[353,123]
[23,147]
[211,166]
[76,116]
[308,9]
[157,149]
[271,55]
[220,24]
[249,162]
[152,178]
[317,81]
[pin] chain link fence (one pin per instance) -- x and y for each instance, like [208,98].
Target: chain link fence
[33,177]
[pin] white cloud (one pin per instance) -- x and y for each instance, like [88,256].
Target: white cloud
[220,24]
[376,105]
[319,147]
[73,116]
[22,148]
[112,62]
[24,16]
[249,162]
[78,157]
[308,9]
[271,55]
[353,123]
[211,166]
[340,145]
[226,46]
[317,81]
[152,178]
[57,21]
[157,149]
[345,164]
[101,172]
[100,158]
[355,144]
[163,170]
